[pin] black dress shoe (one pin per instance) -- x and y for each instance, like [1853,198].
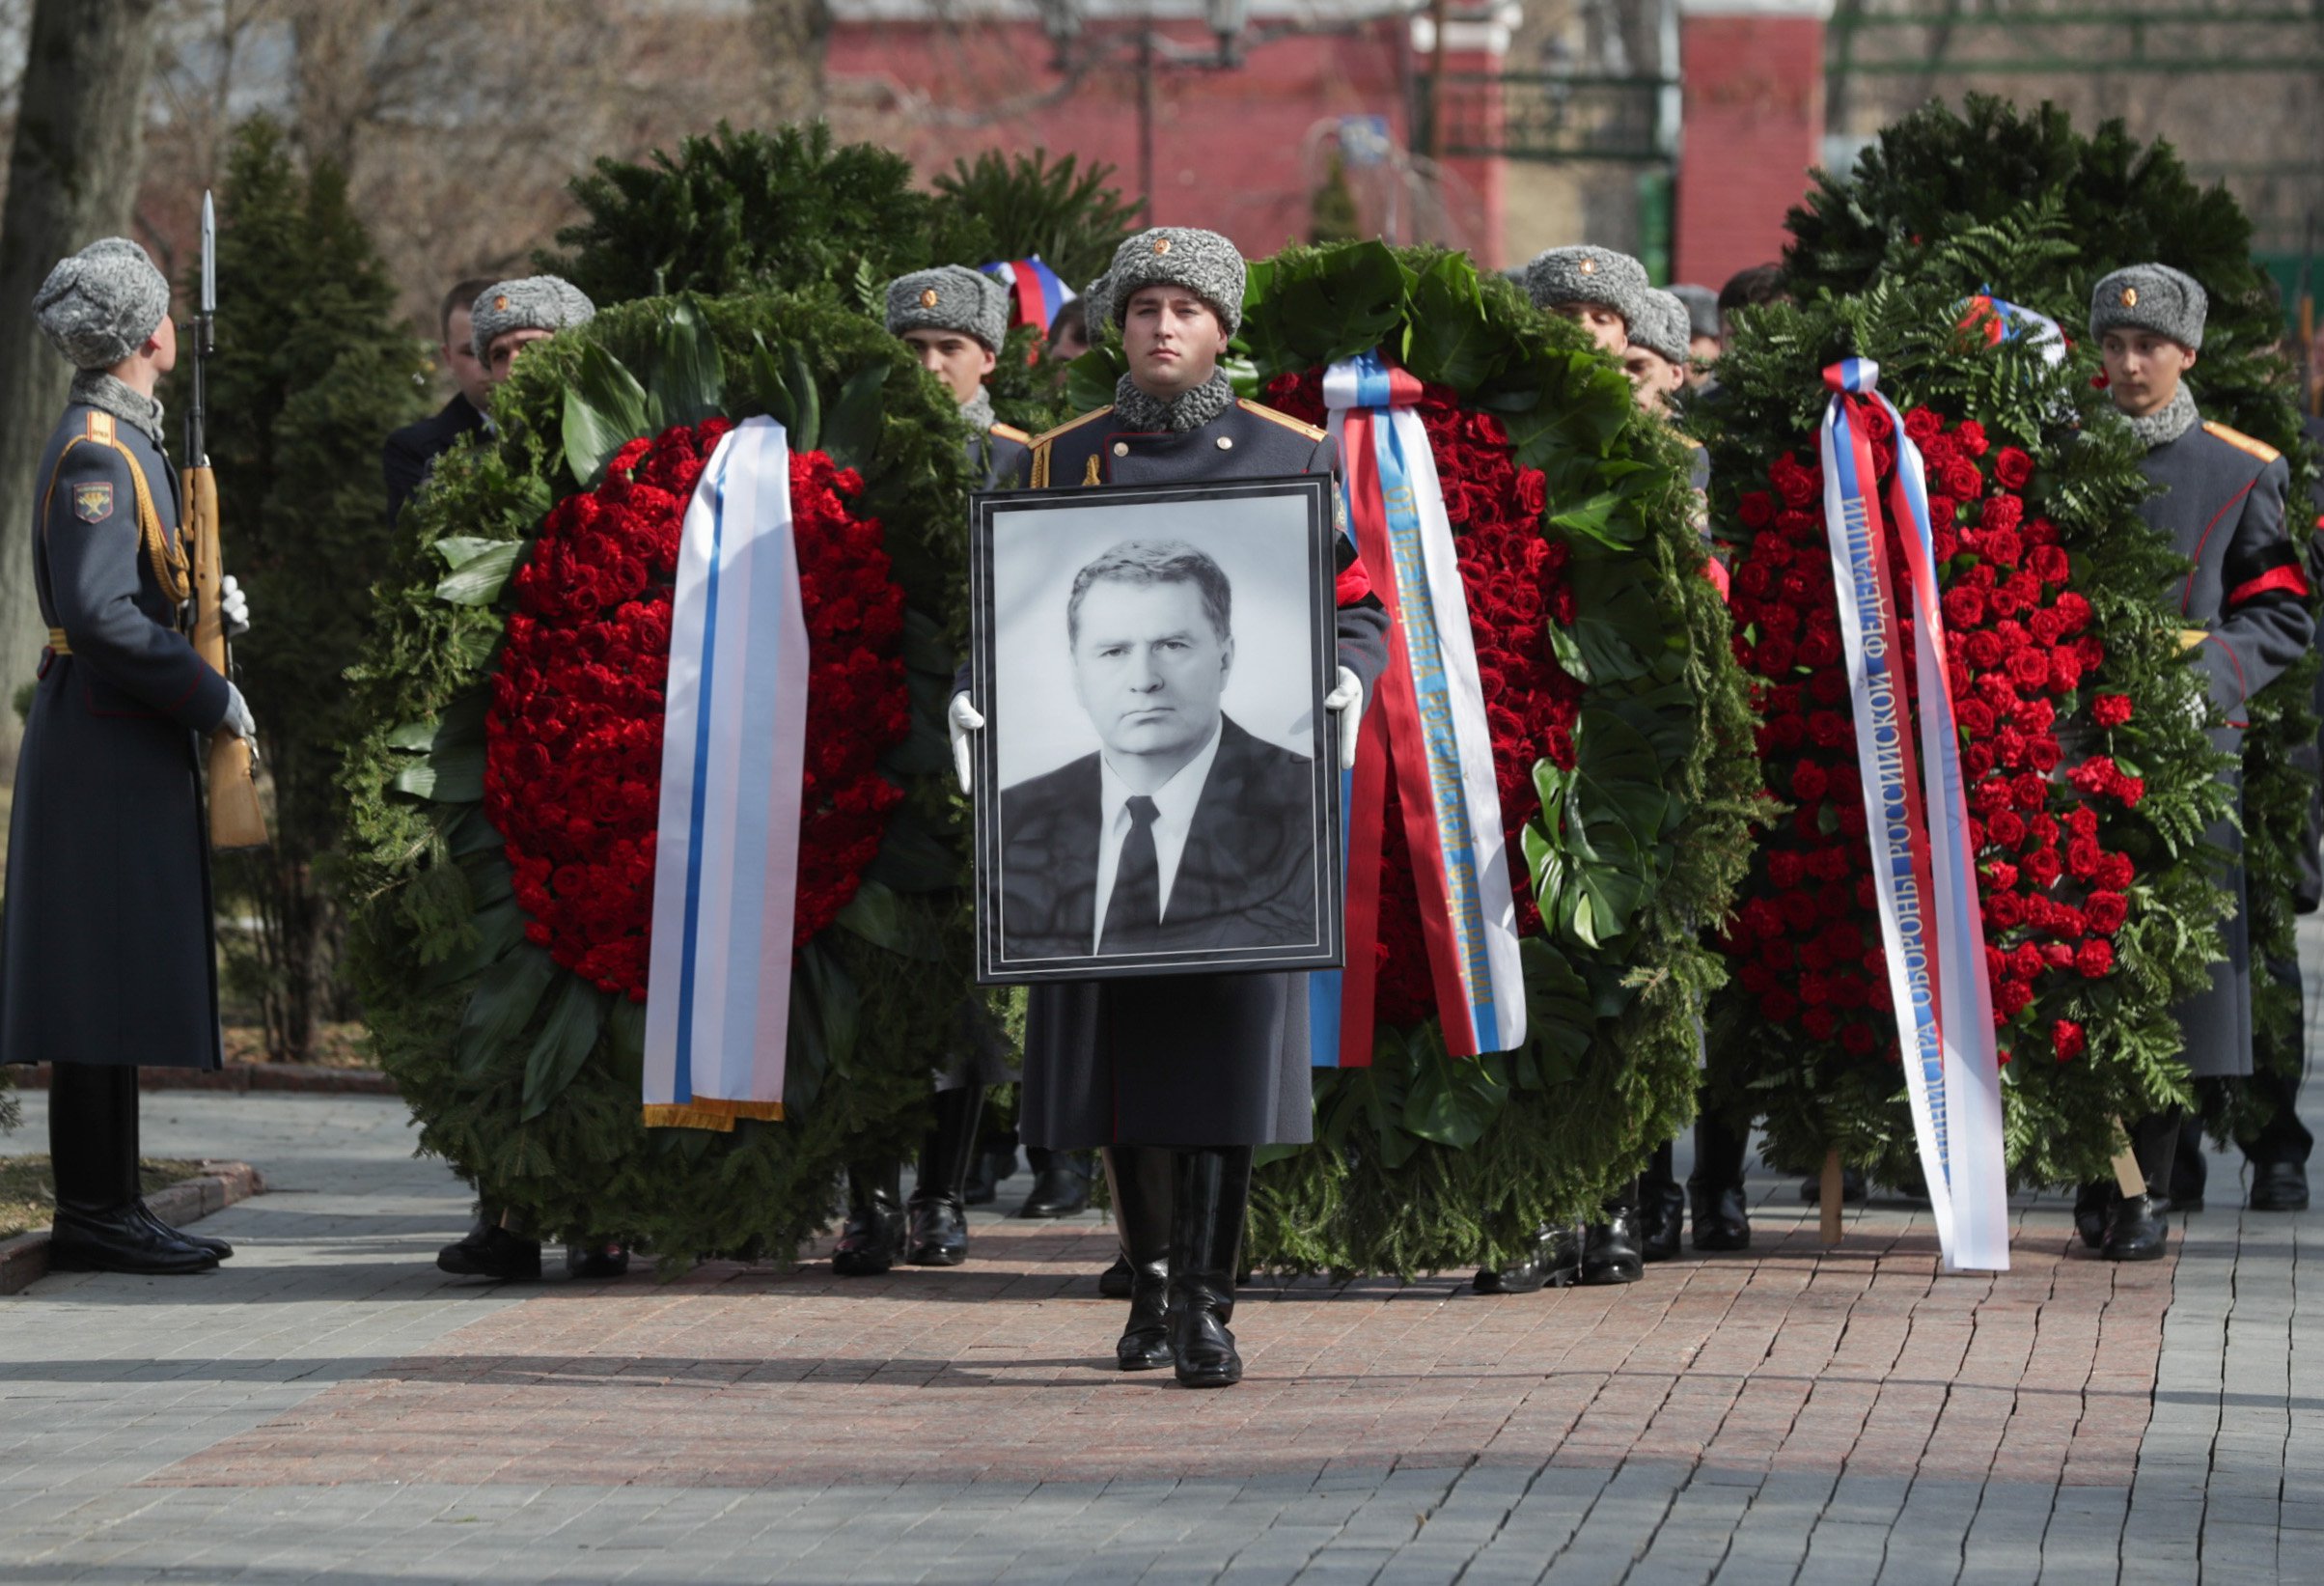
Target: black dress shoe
[1722,1219]
[492,1251]
[938,1232]
[2278,1187]
[2135,1230]
[1116,1281]
[1554,1261]
[596,1258]
[1661,1221]
[1852,1187]
[1212,1190]
[1061,1185]
[116,1240]
[2090,1213]
[146,1214]
[874,1232]
[1610,1252]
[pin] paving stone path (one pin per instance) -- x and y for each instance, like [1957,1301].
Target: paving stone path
[328,1407]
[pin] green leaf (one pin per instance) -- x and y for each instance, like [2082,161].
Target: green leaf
[499,926]
[626,1039]
[773,390]
[1330,304]
[462,722]
[563,1044]
[479,580]
[459,549]
[851,434]
[877,915]
[807,433]
[1446,334]
[1090,379]
[453,775]
[499,1009]
[1559,1018]
[1618,628]
[689,374]
[911,858]
[605,409]
[837,1003]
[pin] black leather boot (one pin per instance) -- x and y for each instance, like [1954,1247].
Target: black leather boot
[2090,1211]
[1212,1189]
[93,1159]
[1140,1178]
[490,1251]
[1116,1280]
[1716,1200]
[2278,1187]
[1610,1252]
[1554,1262]
[1661,1207]
[874,1227]
[2136,1225]
[125,1104]
[596,1257]
[996,1160]
[1722,1218]
[1060,1183]
[939,1216]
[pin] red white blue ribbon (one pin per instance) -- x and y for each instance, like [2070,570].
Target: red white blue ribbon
[1036,292]
[1917,810]
[726,874]
[1439,746]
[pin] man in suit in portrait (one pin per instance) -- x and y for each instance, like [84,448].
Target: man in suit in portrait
[1183,831]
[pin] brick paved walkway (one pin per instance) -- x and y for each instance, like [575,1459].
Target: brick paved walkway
[327,1408]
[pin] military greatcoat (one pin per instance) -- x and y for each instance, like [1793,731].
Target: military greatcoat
[1001,455]
[2245,606]
[108,956]
[1183,1060]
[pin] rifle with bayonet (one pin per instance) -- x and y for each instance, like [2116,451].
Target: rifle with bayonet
[235,818]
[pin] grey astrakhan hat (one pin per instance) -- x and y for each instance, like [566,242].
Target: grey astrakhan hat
[1096,308]
[1584,275]
[528,302]
[1702,308]
[98,305]
[1203,262]
[950,297]
[1662,326]
[2150,297]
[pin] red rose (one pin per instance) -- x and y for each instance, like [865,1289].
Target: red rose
[2094,776]
[2111,709]
[2066,1040]
[1964,607]
[1808,781]
[1961,479]
[1756,509]
[2095,957]
[2000,515]
[1970,436]
[2048,563]
[2012,468]
[1820,1023]
[2041,867]
[1923,425]
[2106,911]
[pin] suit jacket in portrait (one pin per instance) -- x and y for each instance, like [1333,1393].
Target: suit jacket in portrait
[1245,878]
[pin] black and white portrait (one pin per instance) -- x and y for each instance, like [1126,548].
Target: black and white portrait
[1153,672]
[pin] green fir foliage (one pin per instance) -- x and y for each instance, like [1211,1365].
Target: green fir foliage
[313,369]
[1424,1162]
[527,1080]
[1006,207]
[2059,1118]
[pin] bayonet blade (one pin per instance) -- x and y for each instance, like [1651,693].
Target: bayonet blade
[209,256]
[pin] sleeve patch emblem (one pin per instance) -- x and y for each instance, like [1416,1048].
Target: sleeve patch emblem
[93,503]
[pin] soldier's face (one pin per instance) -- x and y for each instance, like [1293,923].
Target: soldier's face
[1148,667]
[2143,369]
[468,371]
[1174,341]
[961,362]
[1654,377]
[506,347]
[164,342]
[1606,326]
[1705,351]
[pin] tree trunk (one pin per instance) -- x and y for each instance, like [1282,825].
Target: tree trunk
[71,178]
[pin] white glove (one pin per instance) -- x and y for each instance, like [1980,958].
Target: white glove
[1346,699]
[962,719]
[238,719]
[235,606]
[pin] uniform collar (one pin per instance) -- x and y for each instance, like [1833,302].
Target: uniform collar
[109,394]
[1191,410]
[2167,422]
[977,412]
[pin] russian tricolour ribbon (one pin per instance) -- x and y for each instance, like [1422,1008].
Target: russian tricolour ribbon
[1439,746]
[1916,810]
[726,872]
[1036,292]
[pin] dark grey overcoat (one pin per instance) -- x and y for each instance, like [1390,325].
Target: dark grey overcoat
[1183,1060]
[105,942]
[2222,503]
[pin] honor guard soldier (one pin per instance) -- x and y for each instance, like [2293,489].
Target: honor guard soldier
[411,451]
[504,319]
[1599,290]
[2221,502]
[1180,1077]
[955,320]
[109,958]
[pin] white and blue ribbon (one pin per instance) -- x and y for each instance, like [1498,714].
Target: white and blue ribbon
[726,845]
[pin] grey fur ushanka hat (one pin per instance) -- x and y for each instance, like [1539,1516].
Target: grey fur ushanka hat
[1096,308]
[1584,274]
[950,297]
[1203,262]
[1662,326]
[98,305]
[2152,297]
[528,302]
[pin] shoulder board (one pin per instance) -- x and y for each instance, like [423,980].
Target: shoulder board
[1300,426]
[100,428]
[1072,424]
[2242,442]
[1010,431]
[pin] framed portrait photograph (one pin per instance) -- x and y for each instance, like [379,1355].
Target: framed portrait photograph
[1157,780]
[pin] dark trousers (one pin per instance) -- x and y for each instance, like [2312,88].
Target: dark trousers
[93,1135]
[1719,1152]
[2281,1138]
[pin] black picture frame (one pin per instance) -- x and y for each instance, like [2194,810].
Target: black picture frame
[1248,860]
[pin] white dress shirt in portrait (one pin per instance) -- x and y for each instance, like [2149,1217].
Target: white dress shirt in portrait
[1175,804]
